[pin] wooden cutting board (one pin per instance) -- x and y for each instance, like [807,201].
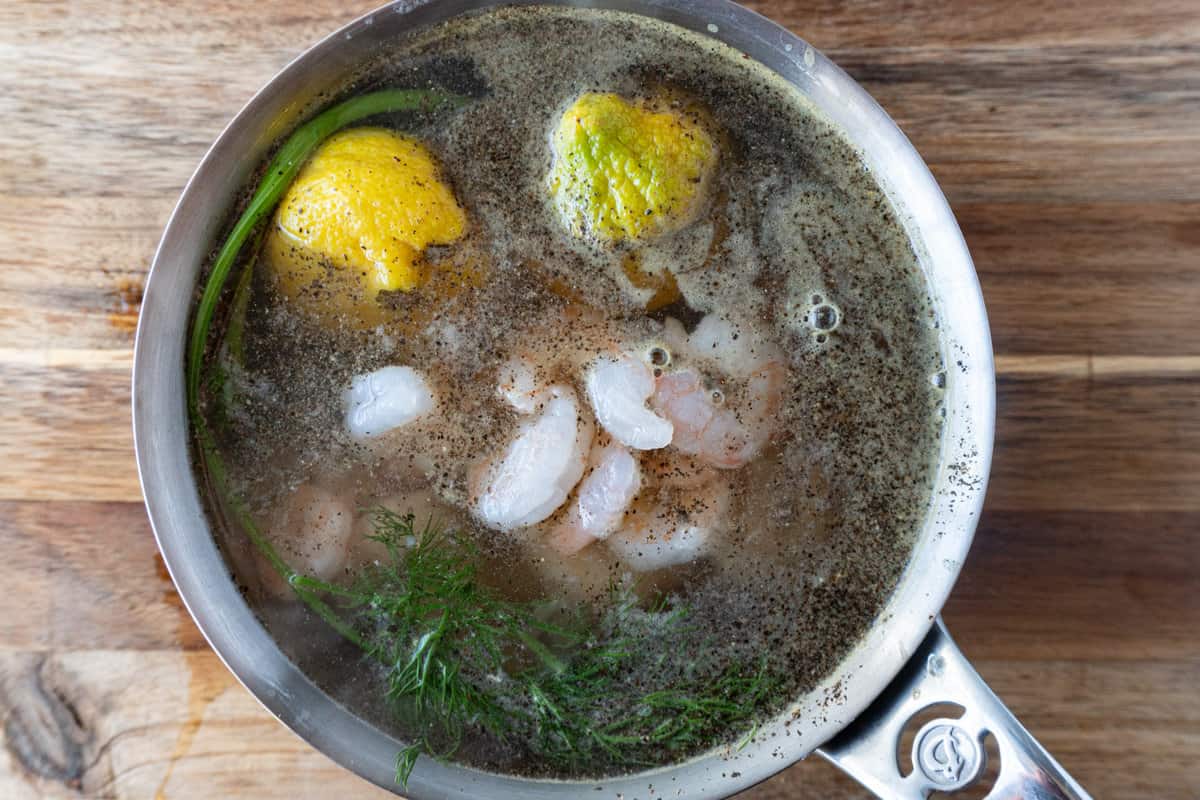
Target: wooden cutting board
[1067,138]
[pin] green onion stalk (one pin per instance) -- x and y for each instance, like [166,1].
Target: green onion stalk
[279,175]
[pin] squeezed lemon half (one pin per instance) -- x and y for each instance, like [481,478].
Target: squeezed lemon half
[356,221]
[627,170]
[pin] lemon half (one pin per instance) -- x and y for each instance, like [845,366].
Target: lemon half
[356,221]
[628,170]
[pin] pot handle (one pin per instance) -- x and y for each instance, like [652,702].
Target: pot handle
[947,754]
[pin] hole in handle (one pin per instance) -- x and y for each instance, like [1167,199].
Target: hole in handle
[977,789]
[908,734]
[982,786]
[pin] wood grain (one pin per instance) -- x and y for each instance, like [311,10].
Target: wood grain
[1067,138]
[85,585]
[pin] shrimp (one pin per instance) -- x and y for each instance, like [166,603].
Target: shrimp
[538,469]
[312,532]
[734,348]
[600,503]
[386,399]
[672,526]
[724,423]
[528,482]
[618,388]
[517,384]
[705,426]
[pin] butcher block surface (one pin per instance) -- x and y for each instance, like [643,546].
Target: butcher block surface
[1067,139]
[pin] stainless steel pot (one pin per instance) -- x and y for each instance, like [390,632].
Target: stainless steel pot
[855,718]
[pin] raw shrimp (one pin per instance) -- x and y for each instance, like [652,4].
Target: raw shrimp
[538,469]
[386,399]
[546,459]
[705,423]
[736,349]
[312,532]
[723,422]
[673,525]
[517,384]
[618,388]
[600,503]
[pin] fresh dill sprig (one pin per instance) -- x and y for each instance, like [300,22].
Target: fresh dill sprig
[624,690]
[592,714]
[423,614]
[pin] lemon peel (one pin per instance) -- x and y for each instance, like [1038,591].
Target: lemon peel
[627,170]
[356,221]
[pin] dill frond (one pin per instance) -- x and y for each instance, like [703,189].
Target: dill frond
[629,689]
